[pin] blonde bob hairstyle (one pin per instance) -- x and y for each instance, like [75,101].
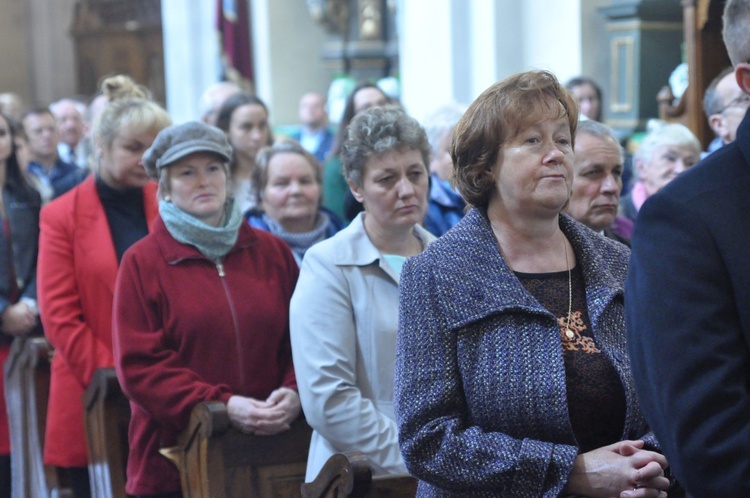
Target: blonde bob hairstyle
[261,171]
[128,107]
[498,115]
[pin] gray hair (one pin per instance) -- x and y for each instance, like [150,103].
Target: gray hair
[736,26]
[377,131]
[712,101]
[80,106]
[673,134]
[599,130]
[441,122]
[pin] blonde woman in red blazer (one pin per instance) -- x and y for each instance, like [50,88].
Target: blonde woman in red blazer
[83,236]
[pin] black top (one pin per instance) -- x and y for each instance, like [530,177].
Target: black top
[596,399]
[125,214]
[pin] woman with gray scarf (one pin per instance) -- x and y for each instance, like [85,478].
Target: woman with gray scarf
[287,186]
[201,310]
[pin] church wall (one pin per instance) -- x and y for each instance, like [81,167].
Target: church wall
[488,40]
[14,76]
[287,51]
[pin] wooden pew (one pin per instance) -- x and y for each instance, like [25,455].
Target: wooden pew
[107,414]
[27,378]
[217,461]
[350,474]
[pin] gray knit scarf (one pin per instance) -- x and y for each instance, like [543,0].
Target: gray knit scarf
[299,243]
[213,242]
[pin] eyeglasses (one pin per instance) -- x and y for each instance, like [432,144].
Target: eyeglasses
[742,102]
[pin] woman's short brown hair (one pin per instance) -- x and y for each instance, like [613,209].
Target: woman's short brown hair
[497,115]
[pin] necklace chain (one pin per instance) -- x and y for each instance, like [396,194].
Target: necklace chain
[568,333]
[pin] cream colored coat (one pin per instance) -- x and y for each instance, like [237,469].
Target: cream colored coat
[344,320]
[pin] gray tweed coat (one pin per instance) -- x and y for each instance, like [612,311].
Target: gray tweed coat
[480,387]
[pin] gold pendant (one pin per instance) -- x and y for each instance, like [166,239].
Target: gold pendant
[569,334]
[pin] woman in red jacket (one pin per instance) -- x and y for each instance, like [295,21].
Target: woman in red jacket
[84,234]
[201,310]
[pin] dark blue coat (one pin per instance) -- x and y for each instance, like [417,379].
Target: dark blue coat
[445,208]
[22,205]
[688,320]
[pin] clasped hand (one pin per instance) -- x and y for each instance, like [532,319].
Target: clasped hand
[622,470]
[264,418]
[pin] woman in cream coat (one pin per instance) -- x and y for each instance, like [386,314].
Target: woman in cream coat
[344,311]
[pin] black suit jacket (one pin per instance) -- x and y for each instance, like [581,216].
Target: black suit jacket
[688,320]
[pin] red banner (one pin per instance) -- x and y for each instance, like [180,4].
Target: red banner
[233,24]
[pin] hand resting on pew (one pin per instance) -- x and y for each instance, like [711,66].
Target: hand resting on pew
[264,418]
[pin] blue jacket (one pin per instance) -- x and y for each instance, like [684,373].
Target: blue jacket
[255,218]
[480,385]
[22,205]
[61,178]
[324,147]
[445,209]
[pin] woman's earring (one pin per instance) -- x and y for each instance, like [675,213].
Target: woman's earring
[168,198]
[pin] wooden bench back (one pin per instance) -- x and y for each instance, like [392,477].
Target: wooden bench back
[27,379]
[350,474]
[218,461]
[107,414]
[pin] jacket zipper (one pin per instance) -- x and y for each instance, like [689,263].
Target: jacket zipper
[222,274]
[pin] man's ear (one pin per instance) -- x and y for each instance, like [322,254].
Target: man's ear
[742,74]
[356,190]
[716,122]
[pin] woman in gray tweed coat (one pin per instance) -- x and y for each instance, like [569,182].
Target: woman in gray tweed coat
[512,377]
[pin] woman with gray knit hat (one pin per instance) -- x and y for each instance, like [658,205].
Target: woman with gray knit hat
[201,310]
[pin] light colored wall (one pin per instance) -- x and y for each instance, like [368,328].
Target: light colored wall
[50,55]
[595,55]
[287,49]
[14,76]
[37,56]
[552,36]
[451,50]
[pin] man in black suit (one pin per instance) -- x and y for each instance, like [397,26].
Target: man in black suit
[688,306]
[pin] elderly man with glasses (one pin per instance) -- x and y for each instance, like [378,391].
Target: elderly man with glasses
[725,105]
